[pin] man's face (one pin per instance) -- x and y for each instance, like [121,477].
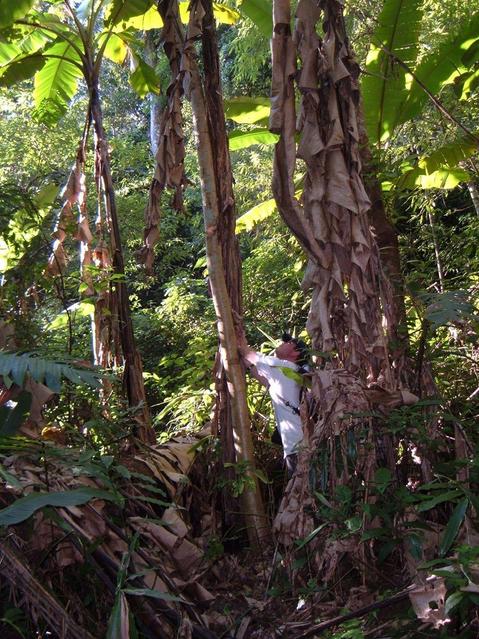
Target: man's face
[287,351]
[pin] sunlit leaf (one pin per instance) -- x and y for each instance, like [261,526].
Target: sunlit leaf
[246,110]
[79,309]
[120,11]
[224,14]
[116,48]
[445,179]
[255,215]
[144,22]
[244,139]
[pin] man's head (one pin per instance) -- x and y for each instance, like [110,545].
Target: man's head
[292,349]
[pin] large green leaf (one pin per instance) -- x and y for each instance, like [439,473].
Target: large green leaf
[151,19]
[246,110]
[144,79]
[24,507]
[8,52]
[386,86]
[445,179]
[442,66]
[120,11]
[21,69]
[116,48]
[261,13]
[244,139]
[11,10]
[57,82]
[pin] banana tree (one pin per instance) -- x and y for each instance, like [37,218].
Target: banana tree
[204,92]
[59,43]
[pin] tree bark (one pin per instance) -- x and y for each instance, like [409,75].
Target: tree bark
[223,419]
[133,372]
[211,188]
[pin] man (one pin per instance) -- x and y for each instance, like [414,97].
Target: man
[284,390]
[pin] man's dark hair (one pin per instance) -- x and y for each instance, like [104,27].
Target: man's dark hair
[301,347]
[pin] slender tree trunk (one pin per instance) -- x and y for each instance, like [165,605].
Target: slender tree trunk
[435,241]
[133,373]
[151,55]
[251,497]
[474,193]
[226,234]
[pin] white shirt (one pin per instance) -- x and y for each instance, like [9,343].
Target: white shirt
[283,391]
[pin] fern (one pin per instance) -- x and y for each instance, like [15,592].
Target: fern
[14,367]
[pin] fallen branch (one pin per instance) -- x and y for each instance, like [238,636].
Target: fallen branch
[337,621]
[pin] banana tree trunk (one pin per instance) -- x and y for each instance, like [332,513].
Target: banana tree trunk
[226,234]
[133,373]
[211,188]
